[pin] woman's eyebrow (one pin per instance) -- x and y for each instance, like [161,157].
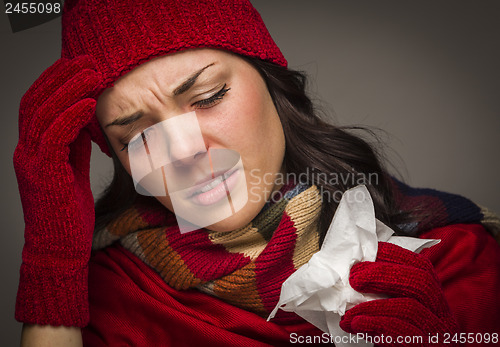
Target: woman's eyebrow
[122,121]
[127,120]
[190,81]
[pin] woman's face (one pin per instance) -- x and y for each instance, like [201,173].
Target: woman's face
[235,114]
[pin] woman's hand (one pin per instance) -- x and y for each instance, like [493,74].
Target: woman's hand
[52,162]
[416,305]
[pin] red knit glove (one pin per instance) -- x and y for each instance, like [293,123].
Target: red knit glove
[416,305]
[52,161]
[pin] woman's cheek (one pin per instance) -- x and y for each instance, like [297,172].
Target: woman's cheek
[226,127]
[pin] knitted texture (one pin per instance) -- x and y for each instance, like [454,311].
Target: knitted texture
[101,41]
[122,34]
[416,304]
[245,267]
[52,161]
[432,208]
[131,304]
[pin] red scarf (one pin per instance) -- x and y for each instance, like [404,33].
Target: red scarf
[244,267]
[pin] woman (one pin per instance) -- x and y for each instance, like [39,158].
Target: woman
[127,68]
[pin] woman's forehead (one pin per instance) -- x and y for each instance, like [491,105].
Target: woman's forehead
[174,68]
[166,75]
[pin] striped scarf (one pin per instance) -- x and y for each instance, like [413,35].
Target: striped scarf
[246,267]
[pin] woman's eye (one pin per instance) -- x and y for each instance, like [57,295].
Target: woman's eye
[137,140]
[213,100]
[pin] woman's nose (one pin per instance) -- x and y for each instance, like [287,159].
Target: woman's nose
[183,152]
[185,140]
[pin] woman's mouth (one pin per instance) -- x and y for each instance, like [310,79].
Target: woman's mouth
[215,189]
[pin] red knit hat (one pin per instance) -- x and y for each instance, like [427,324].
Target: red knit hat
[122,34]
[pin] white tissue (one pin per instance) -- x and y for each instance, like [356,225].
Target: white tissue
[319,291]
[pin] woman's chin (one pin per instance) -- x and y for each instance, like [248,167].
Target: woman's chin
[228,224]
[196,215]
[236,221]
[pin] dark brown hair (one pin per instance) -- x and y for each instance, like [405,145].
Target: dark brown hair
[312,146]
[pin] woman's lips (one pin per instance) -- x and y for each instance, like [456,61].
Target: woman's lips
[215,189]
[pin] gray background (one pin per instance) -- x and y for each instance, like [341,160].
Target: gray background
[425,71]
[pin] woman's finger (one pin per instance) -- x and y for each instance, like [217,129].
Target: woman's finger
[53,78]
[399,281]
[77,88]
[404,309]
[389,331]
[391,253]
[65,129]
